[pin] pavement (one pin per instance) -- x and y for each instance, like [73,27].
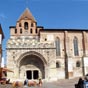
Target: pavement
[65,83]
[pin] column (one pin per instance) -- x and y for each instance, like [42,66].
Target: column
[85,54]
[85,45]
[46,74]
[32,74]
[68,58]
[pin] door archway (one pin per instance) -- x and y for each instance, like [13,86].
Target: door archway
[32,66]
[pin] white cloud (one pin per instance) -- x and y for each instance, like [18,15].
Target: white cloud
[2,16]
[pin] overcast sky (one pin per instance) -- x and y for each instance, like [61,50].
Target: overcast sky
[48,13]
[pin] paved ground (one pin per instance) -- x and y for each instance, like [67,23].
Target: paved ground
[69,83]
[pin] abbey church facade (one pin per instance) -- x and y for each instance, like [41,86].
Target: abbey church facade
[34,52]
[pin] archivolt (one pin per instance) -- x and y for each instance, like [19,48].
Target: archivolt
[31,53]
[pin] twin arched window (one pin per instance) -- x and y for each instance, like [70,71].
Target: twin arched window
[57,42]
[75,43]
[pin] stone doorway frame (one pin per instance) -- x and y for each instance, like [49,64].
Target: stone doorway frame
[40,56]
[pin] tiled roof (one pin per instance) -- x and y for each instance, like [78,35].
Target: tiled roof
[27,14]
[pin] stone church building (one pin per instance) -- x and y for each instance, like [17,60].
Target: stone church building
[34,52]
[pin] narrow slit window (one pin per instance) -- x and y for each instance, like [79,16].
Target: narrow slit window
[57,42]
[15,31]
[32,25]
[75,43]
[31,31]
[20,31]
[36,30]
[19,24]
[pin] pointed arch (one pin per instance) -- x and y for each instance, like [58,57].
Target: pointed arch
[57,43]
[75,44]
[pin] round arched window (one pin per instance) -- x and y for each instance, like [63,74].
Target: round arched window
[57,64]
[26,25]
[78,64]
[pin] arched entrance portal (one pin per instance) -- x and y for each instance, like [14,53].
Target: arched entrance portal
[32,67]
